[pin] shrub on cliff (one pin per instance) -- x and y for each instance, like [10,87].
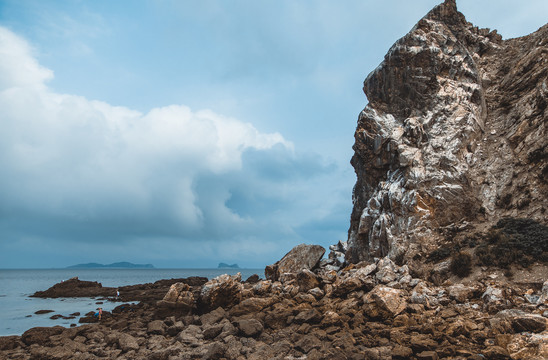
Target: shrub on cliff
[514,241]
[461,264]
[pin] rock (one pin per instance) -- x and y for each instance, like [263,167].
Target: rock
[39,312]
[307,280]
[461,293]
[384,301]
[354,280]
[127,342]
[300,257]
[222,291]
[310,316]
[307,343]
[522,321]
[496,353]
[421,342]
[212,331]
[214,316]
[175,329]
[427,355]
[10,342]
[386,271]
[156,327]
[401,352]
[446,138]
[215,351]
[251,305]
[179,296]
[75,288]
[40,335]
[253,279]
[250,327]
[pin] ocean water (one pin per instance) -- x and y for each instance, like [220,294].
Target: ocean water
[17,308]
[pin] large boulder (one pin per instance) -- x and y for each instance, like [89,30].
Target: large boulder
[384,301]
[302,256]
[222,291]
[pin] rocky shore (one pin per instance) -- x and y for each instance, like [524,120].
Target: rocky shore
[369,310]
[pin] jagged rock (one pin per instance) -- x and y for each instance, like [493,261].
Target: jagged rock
[454,131]
[354,280]
[461,293]
[522,321]
[300,257]
[223,291]
[251,305]
[307,280]
[386,271]
[384,301]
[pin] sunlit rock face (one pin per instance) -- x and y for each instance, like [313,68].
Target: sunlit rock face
[454,133]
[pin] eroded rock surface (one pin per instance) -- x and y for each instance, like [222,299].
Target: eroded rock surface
[454,133]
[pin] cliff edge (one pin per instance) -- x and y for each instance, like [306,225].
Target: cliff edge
[453,138]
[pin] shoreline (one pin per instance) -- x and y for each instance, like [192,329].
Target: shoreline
[373,310]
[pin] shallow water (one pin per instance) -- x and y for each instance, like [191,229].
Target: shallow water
[17,285]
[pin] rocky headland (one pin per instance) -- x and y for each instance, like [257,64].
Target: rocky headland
[447,252]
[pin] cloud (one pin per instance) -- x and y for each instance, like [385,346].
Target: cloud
[83,172]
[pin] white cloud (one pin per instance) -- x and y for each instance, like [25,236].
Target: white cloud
[80,160]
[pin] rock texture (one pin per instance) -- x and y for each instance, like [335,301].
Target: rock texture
[365,311]
[454,135]
[302,256]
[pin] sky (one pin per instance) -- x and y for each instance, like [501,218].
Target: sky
[188,133]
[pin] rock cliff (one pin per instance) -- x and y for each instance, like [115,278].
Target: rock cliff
[453,137]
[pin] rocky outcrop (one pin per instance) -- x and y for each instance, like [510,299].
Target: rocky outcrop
[300,257]
[368,310]
[150,292]
[454,135]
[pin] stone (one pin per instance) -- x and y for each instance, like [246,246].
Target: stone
[156,327]
[427,355]
[522,321]
[307,280]
[384,301]
[212,331]
[179,296]
[213,316]
[401,352]
[40,335]
[311,316]
[127,342]
[222,291]
[250,327]
[461,293]
[300,257]
[215,351]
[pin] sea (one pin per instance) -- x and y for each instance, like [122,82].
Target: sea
[17,308]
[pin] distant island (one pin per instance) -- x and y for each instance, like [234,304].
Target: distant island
[117,265]
[227,266]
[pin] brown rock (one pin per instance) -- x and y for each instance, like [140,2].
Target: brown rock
[300,257]
[222,291]
[156,327]
[427,355]
[307,280]
[127,342]
[250,327]
[384,301]
[40,335]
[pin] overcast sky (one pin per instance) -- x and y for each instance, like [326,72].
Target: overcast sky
[188,133]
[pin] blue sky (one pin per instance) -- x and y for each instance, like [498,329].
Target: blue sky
[188,133]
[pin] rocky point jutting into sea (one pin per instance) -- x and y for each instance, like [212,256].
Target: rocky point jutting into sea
[447,252]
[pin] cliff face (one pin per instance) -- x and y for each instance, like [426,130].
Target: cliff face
[454,136]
